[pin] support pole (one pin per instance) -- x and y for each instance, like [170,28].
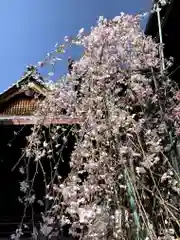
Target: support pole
[161,52]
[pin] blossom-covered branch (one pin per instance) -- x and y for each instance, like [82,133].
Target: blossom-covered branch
[124,179]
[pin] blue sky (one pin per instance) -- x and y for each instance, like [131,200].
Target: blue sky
[29,29]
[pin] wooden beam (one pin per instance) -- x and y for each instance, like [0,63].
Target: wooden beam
[31,120]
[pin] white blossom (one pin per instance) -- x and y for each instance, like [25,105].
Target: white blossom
[124,155]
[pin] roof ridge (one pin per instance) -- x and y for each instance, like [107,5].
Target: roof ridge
[29,75]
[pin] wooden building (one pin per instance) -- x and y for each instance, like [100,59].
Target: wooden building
[170,25]
[17,105]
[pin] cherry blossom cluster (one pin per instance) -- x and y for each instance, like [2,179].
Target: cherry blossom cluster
[124,179]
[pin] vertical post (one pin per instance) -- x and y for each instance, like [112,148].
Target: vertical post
[160,39]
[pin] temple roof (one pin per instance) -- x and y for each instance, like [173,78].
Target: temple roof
[21,98]
[28,81]
[19,102]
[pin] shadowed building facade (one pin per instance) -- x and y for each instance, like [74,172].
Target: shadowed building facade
[170,26]
[17,105]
